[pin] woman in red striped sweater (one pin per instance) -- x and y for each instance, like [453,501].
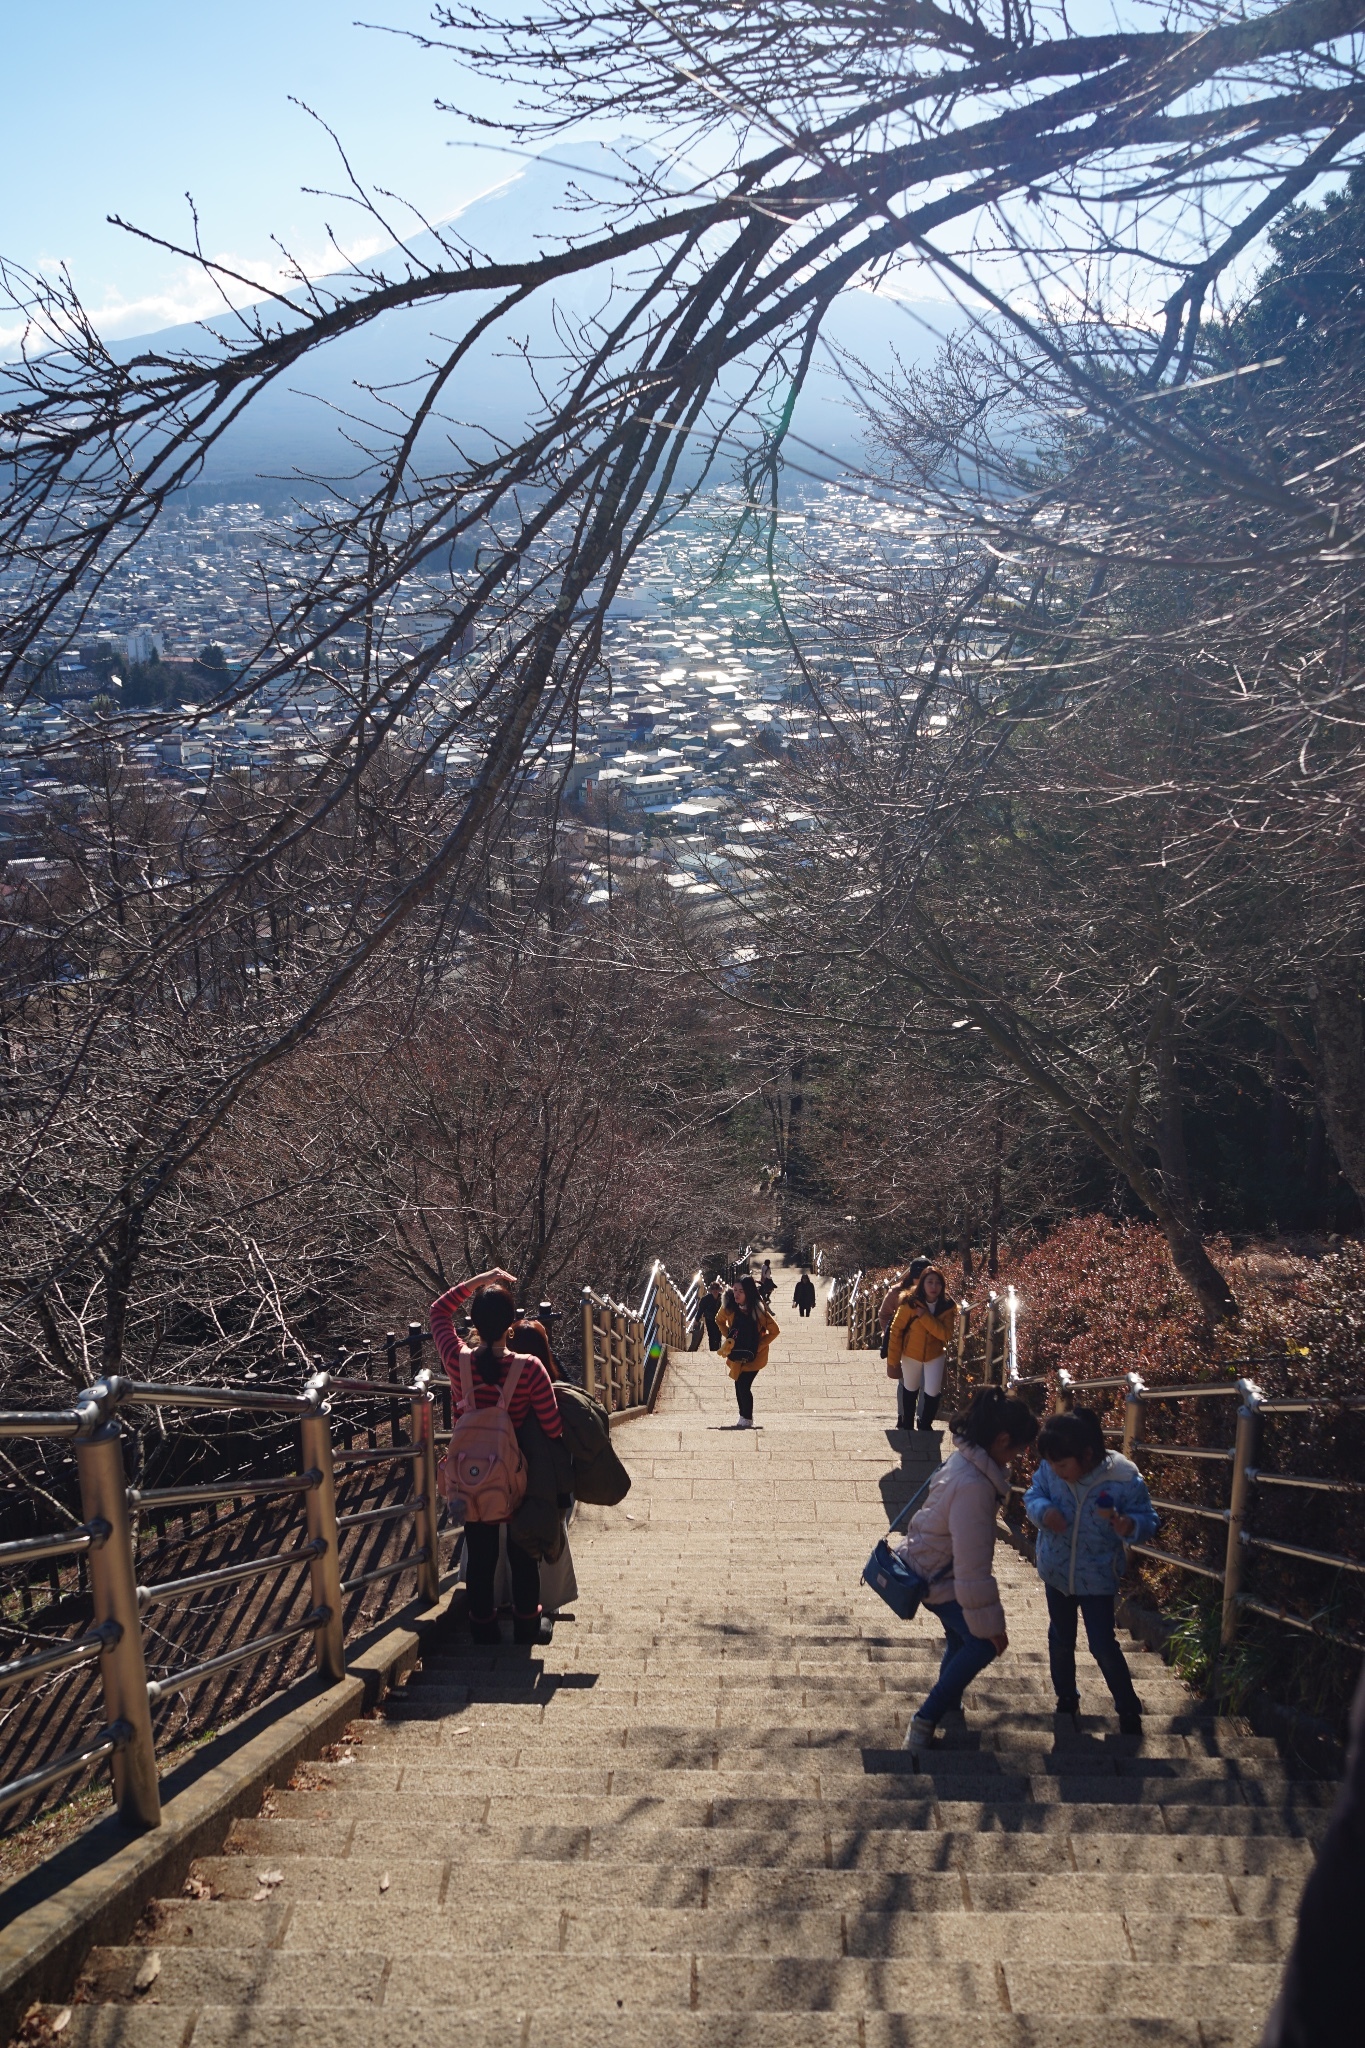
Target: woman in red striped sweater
[493,1311]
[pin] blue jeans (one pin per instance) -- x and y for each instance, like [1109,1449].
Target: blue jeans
[965,1656]
[1096,1610]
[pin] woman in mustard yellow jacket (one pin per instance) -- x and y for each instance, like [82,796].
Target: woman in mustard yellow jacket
[917,1347]
[747,1329]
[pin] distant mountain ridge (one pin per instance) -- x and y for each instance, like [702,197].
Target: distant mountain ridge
[318,422]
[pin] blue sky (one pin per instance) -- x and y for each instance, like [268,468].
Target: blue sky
[122,106]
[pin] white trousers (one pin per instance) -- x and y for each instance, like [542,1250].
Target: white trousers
[927,1373]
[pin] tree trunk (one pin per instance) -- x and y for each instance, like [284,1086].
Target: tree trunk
[1197,1269]
[1170,1137]
[997,1198]
[1337,1026]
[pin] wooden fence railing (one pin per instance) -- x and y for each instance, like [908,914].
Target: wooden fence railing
[296,1505]
[987,1349]
[625,1349]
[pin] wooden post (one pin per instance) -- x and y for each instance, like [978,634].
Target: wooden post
[589,1348]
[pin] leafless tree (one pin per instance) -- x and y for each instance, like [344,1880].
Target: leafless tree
[1018,159]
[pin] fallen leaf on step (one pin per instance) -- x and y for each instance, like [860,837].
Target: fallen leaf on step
[60,2021]
[149,1972]
[384,1882]
[269,1877]
[195,1888]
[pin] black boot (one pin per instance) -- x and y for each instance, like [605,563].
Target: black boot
[904,1416]
[928,1409]
[532,1628]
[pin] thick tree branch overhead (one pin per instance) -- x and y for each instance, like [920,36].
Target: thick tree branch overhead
[1098,189]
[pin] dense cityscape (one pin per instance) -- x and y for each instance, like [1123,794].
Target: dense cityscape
[679,747]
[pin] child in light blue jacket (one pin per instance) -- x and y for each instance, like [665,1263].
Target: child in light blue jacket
[1086,1502]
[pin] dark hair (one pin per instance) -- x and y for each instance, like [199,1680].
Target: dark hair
[528,1336]
[492,1312]
[750,1287]
[1072,1436]
[913,1271]
[989,1413]
[918,1293]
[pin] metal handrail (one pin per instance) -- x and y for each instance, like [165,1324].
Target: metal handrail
[152,1394]
[41,1422]
[154,1497]
[396,1454]
[1292,1620]
[1183,1451]
[1259,1478]
[1194,1392]
[382,1390]
[1182,1507]
[1187,1564]
[385,1571]
[180,1681]
[84,1650]
[1328,1557]
[367,1517]
[33,1549]
[63,1766]
[227,1574]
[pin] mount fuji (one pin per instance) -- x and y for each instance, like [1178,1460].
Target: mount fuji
[322,420]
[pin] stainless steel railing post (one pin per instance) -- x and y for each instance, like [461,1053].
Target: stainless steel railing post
[1132,1414]
[113,1591]
[1243,1459]
[424,1481]
[324,1570]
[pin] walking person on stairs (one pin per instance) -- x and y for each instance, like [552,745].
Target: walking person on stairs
[747,1330]
[491,1365]
[951,1544]
[890,1301]
[803,1295]
[708,1308]
[917,1348]
[1086,1502]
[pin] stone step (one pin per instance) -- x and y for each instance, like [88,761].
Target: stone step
[394,2026]
[689,1822]
[1024,1838]
[891,1849]
[351,1981]
[586,1925]
[866,1774]
[425,1884]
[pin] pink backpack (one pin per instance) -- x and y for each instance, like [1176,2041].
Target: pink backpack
[483,1474]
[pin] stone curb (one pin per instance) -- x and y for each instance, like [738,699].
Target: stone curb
[93,1892]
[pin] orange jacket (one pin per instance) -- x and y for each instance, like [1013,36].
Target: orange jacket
[767,1330]
[917,1334]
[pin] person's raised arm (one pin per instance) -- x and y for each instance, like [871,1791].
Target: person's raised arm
[443,1311]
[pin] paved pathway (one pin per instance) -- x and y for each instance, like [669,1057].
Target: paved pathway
[689,1824]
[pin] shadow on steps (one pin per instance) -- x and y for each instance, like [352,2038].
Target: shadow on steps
[919,1453]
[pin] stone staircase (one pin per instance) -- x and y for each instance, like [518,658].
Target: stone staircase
[689,1822]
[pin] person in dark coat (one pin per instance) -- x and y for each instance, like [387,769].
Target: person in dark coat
[767,1286]
[1319,2002]
[708,1308]
[804,1296]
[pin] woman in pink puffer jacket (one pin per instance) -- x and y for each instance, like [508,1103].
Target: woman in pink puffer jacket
[951,1544]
